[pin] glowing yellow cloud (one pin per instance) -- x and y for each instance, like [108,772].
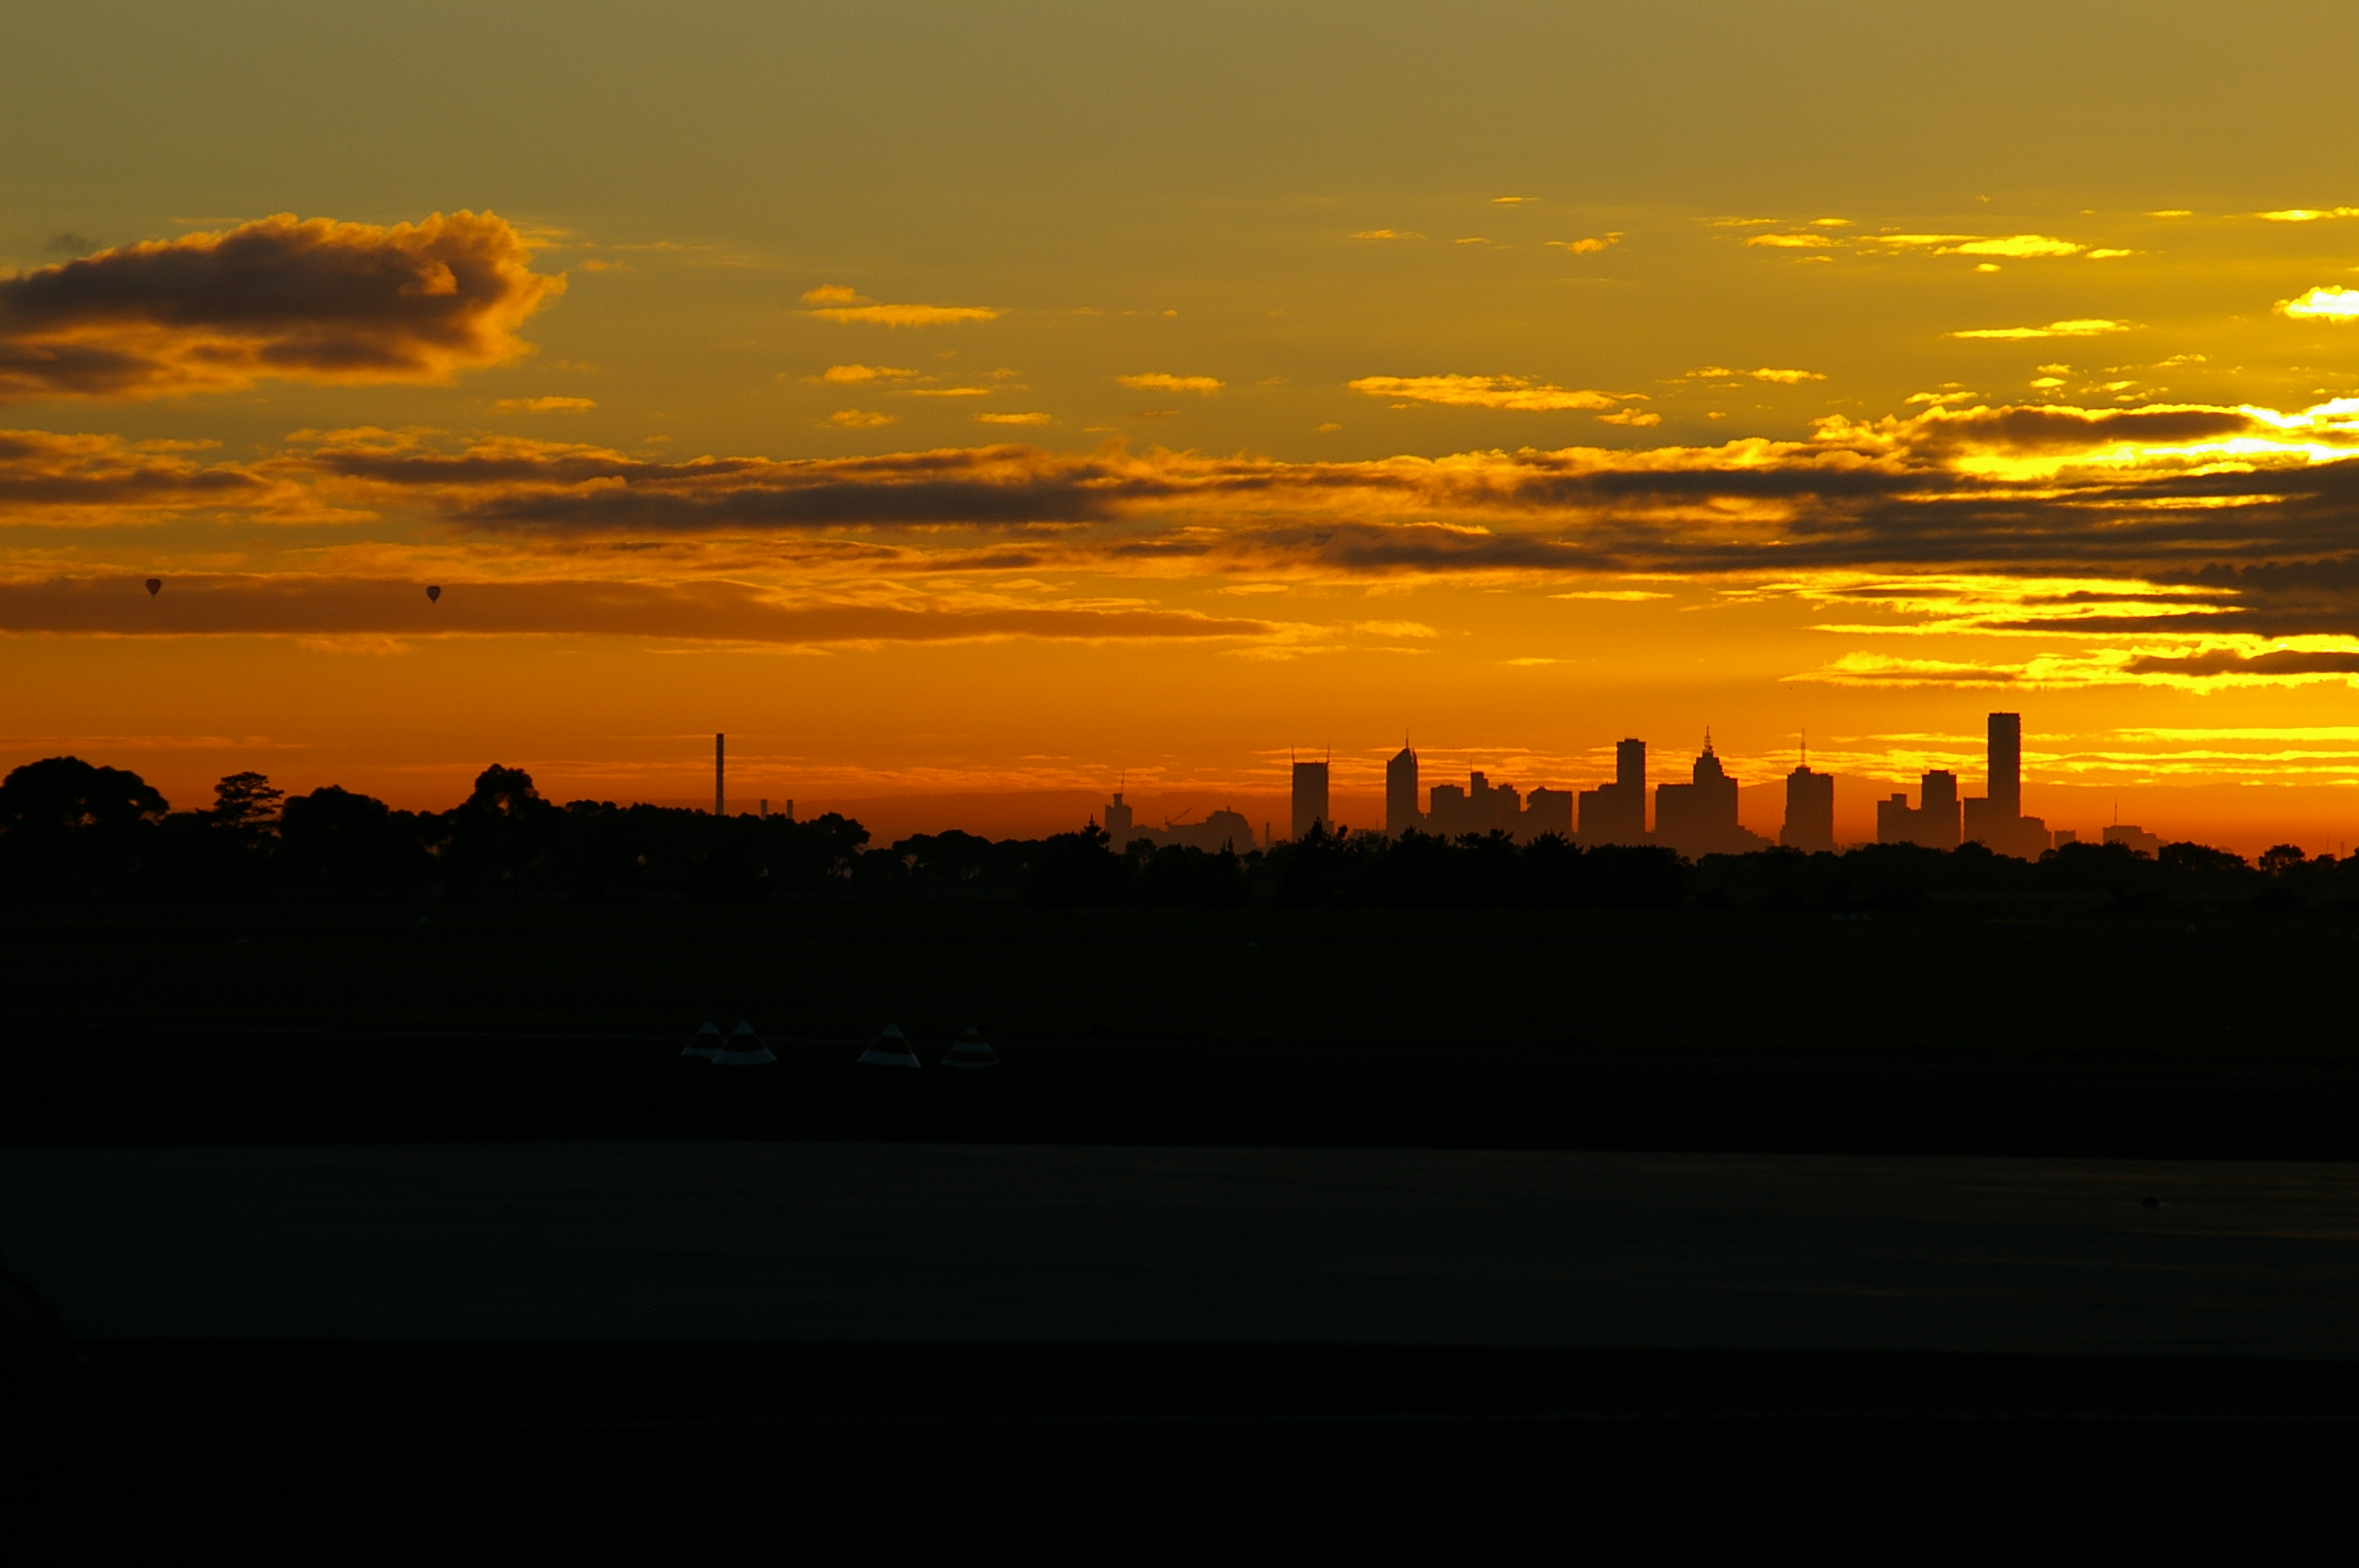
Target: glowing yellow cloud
[1788,377]
[2309,214]
[2075,329]
[1014,418]
[858,419]
[1791,242]
[1482,392]
[2323,305]
[544,404]
[2017,245]
[1161,381]
[853,374]
[1387,234]
[1586,247]
[834,302]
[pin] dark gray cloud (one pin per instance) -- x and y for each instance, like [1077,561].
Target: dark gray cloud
[2282,662]
[278,297]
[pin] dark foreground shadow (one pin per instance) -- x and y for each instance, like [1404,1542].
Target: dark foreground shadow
[368,1450]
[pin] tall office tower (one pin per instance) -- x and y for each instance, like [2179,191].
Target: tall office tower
[1996,819]
[1310,797]
[1616,813]
[2005,766]
[1400,793]
[1119,821]
[1809,811]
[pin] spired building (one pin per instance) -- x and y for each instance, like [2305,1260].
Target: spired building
[1699,817]
[1616,813]
[1809,812]
[1401,815]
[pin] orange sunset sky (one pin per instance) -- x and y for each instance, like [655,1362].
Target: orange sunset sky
[966,407]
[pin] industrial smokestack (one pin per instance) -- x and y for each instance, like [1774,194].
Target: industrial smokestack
[720,773]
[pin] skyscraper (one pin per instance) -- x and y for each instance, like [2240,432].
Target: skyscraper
[1616,813]
[1400,793]
[2004,764]
[1997,818]
[1119,822]
[1310,797]
[1809,811]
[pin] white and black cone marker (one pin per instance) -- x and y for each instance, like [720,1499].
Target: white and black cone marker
[891,1050]
[707,1043]
[744,1049]
[972,1051]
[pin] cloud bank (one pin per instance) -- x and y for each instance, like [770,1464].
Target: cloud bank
[212,604]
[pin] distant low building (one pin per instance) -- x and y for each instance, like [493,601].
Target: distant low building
[1547,811]
[2137,840]
[1485,807]
[1481,806]
[1221,831]
[1933,823]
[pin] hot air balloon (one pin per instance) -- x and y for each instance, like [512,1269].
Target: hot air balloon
[155,585]
[433,594]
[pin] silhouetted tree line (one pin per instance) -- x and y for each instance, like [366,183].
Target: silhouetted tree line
[69,831]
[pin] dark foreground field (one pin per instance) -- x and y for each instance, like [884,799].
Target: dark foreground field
[1278,1230]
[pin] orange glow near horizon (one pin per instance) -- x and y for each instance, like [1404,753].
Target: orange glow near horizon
[964,421]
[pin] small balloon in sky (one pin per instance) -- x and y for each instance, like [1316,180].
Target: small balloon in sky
[433,594]
[155,585]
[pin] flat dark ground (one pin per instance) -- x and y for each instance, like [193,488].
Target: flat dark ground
[1444,1228]
[1952,1032]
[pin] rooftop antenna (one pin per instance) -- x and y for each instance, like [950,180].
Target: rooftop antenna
[1707,737]
[1806,748]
